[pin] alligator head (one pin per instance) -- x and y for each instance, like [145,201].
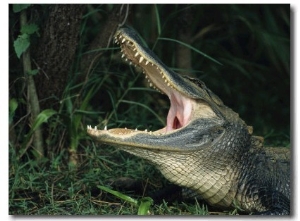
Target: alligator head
[201,133]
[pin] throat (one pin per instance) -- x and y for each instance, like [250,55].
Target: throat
[180,111]
[176,124]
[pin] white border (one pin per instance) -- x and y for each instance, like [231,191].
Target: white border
[4,107]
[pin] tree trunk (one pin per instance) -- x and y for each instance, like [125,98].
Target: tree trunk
[55,52]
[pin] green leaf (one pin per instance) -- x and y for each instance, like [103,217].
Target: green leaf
[144,206]
[13,105]
[21,44]
[119,195]
[20,7]
[158,20]
[146,107]
[144,203]
[29,29]
[33,72]
[42,118]
[192,48]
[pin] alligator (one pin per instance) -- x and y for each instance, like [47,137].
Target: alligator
[205,146]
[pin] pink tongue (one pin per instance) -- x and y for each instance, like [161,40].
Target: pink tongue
[179,113]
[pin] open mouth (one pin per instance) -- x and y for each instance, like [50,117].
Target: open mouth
[181,107]
[160,78]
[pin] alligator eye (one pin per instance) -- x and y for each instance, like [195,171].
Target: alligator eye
[197,82]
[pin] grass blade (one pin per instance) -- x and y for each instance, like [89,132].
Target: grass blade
[157,20]
[144,206]
[146,107]
[192,48]
[119,195]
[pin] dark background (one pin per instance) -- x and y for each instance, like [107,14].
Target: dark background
[73,52]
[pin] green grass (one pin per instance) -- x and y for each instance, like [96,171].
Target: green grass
[55,190]
[251,43]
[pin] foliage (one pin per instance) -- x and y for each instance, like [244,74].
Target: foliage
[22,43]
[250,41]
[41,118]
[19,7]
[143,204]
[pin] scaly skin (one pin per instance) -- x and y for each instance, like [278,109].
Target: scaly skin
[205,146]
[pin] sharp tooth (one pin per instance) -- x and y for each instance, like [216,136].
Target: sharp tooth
[162,76]
[134,49]
[146,130]
[141,59]
[123,55]
[120,36]
[105,128]
[168,84]
[136,129]
[95,128]
[166,81]
[126,59]
[130,63]
[136,54]
[152,64]
[151,84]
[123,40]
[147,62]
[125,128]
[146,76]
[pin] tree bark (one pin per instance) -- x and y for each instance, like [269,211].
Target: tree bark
[55,52]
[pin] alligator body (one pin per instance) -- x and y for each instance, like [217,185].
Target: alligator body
[205,146]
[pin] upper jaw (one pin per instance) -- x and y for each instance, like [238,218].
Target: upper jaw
[160,77]
[134,52]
